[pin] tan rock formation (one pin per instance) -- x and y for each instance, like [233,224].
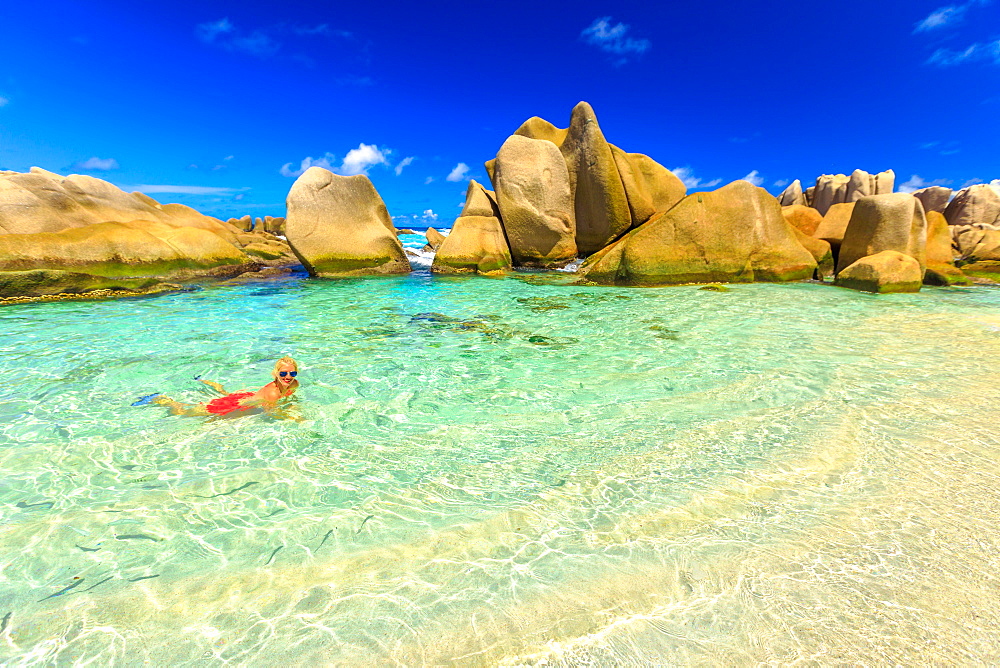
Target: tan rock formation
[534,197]
[834,224]
[887,271]
[820,250]
[803,218]
[274,225]
[41,201]
[247,223]
[539,128]
[734,234]
[434,239]
[601,207]
[793,195]
[479,201]
[44,282]
[972,205]
[136,248]
[894,221]
[941,268]
[476,244]
[934,198]
[339,226]
[649,186]
[833,189]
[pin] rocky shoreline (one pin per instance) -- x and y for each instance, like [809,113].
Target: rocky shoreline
[559,195]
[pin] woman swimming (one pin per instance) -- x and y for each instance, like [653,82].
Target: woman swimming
[266,398]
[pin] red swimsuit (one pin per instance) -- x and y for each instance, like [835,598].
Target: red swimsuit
[228,403]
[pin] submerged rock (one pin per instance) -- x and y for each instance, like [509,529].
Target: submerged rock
[534,197]
[339,226]
[894,221]
[888,271]
[48,282]
[734,234]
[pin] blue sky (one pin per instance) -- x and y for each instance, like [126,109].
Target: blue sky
[219,105]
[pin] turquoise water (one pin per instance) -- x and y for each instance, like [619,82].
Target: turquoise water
[513,471]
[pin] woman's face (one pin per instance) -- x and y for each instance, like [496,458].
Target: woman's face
[283,375]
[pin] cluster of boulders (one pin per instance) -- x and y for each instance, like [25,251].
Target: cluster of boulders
[78,234]
[268,224]
[561,194]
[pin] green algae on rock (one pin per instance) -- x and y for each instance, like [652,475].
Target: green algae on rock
[888,271]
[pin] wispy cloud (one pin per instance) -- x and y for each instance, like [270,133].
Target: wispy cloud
[183,190]
[403,164]
[357,161]
[978,52]
[755,178]
[262,42]
[686,175]
[916,183]
[429,180]
[4,101]
[614,39]
[96,164]
[425,219]
[459,173]
[781,183]
[950,15]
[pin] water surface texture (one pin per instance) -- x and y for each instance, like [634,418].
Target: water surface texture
[515,471]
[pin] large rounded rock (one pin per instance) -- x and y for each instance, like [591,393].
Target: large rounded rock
[941,268]
[804,218]
[649,186]
[339,226]
[830,189]
[793,195]
[534,197]
[972,205]
[476,245]
[820,250]
[888,271]
[41,201]
[834,225]
[479,201]
[602,211]
[933,198]
[734,234]
[434,239]
[136,248]
[894,221]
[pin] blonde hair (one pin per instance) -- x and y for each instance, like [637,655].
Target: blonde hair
[282,362]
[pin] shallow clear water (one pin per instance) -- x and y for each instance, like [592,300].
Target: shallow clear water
[514,471]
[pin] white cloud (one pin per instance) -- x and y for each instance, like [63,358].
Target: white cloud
[459,173]
[403,164]
[686,175]
[430,215]
[614,39]
[224,34]
[326,162]
[229,157]
[97,164]
[4,101]
[995,184]
[781,183]
[975,53]
[182,190]
[425,219]
[950,15]
[429,180]
[916,183]
[359,160]
[754,177]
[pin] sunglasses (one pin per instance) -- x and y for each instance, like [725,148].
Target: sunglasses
[293,374]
